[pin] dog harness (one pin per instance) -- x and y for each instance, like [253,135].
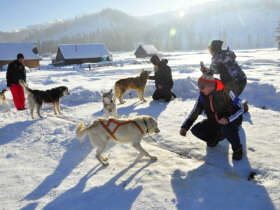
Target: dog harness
[118,124]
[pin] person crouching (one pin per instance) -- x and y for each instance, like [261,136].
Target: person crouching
[163,79]
[224,115]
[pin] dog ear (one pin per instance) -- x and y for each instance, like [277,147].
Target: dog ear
[111,91]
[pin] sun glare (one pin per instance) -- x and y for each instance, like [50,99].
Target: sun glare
[172,32]
[181,14]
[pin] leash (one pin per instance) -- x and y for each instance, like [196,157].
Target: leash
[181,154]
[69,120]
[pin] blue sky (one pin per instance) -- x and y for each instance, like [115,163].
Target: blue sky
[17,14]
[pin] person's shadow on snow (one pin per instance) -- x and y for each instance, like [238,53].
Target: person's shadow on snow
[218,185]
[108,196]
[74,155]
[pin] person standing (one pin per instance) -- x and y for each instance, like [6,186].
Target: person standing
[163,79]
[15,72]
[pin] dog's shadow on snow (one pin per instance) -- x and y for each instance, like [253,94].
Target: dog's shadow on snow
[107,196]
[218,185]
[11,131]
[73,156]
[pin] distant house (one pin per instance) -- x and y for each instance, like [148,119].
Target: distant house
[146,51]
[9,51]
[68,54]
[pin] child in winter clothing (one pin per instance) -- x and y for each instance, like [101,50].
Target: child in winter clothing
[224,115]
[163,79]
[224,63]
[15,72]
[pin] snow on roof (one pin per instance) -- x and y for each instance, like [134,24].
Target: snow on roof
[150,49]
[75,51]
[9,51]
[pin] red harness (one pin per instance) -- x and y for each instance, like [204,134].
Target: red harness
[118,124]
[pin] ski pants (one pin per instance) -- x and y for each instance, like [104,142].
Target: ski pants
[211,131]
[18,96]
[163,93]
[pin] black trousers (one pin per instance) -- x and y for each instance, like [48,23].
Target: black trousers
[211,131]
[163,93]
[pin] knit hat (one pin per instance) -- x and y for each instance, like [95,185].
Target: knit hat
[206,80]
[216,45]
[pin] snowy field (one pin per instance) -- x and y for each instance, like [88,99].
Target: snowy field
[43,165]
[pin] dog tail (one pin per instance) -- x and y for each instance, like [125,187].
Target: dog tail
[81,132]
[23,84]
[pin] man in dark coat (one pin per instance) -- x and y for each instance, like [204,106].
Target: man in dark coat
[224,116]
[163,79]
[15,72]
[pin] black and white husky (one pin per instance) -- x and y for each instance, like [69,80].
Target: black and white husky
[36,98]
[109,103]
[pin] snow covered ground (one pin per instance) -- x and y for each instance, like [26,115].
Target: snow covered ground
[43,165]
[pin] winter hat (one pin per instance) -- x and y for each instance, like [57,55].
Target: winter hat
[20,55]
[206,80]
[155,60]
[216,45]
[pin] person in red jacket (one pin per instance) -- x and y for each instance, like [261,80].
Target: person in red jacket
[224,115]
[15,72]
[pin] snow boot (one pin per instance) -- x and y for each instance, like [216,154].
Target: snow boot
[238,153]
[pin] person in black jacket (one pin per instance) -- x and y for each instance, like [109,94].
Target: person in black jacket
[224,63]
[224,115]
[15,72]
[163,79]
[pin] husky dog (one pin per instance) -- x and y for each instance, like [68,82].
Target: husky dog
[103,130]
[109,103]
[136,83]
[36,98]
[3,97]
